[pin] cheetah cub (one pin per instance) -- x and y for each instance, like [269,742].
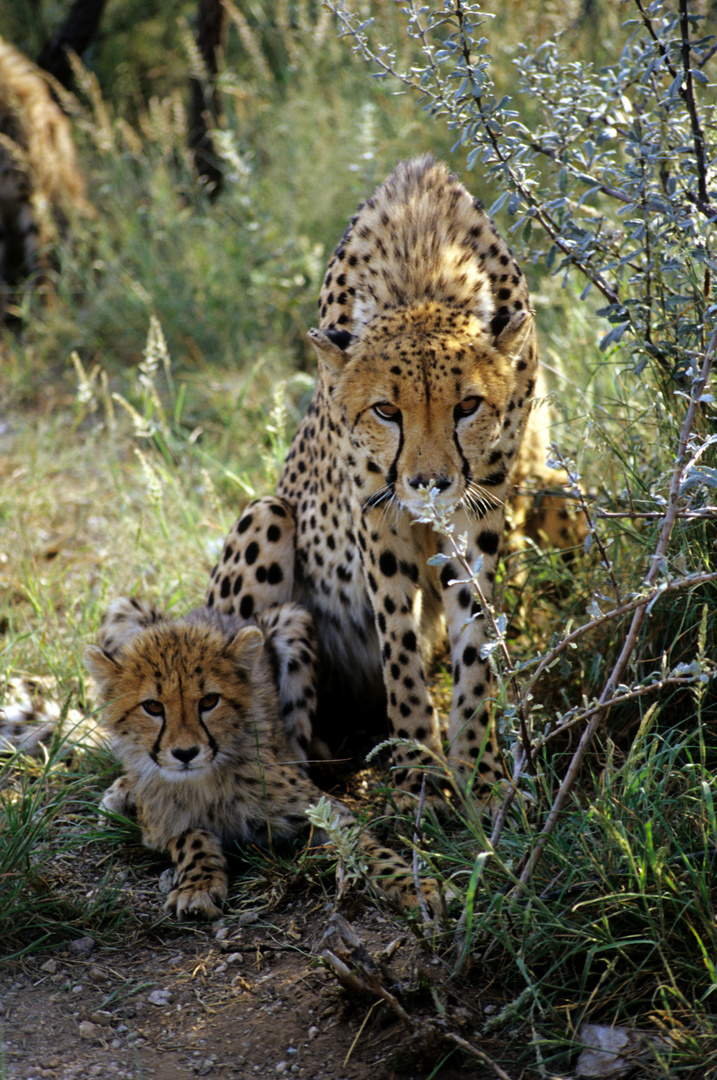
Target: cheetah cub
[193,710]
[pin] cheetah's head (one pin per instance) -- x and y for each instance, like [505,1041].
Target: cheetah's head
[175,693]
[429,396]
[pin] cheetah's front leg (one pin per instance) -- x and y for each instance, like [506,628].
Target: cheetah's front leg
[393,579]
[254,578]
[471,744]
[256,568]
[201,881]
[290,636]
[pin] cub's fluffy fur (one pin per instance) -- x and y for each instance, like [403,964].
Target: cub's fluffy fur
[193,710]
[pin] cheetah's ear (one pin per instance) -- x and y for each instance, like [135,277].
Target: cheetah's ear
[331,346]
[101,666]
[245,648]
[511,331]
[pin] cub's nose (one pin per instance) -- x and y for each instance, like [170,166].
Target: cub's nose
[185,756]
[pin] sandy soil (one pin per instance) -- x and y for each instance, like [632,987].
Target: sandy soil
[245,997]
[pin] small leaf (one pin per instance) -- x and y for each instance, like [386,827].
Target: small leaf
[439,560]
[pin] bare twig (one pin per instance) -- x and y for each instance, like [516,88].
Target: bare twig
[704,513]
[416,841]
[469,1048]
[630,642]
[579,494]
[643,600]
[688,93]
[620,699]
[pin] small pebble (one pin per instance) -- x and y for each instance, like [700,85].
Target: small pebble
[101,1017]
[50,967]
[160,997]
[82,945]
[88,1030]
[166,881]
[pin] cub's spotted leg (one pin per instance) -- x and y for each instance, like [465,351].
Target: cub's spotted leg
[290,642]
[472,677]
[201,882]
[392,876]
[256,569]
[386,871]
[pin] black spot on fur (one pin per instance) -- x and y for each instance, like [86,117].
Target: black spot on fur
[387,563]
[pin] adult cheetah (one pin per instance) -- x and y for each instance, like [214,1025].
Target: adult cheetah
[427,362]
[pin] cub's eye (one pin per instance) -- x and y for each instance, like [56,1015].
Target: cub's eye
[467,407]
[387,411]
[208,702]
[154,708]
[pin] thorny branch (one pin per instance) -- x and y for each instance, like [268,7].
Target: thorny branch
[540,214]
[608,693]
[701,200]
[688,93]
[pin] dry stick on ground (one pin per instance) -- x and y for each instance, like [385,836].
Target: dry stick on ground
[469,1048]
[638,617]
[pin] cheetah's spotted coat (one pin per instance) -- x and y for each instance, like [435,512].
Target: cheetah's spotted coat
[427,364]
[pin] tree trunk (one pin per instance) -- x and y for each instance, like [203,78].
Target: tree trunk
[205,110]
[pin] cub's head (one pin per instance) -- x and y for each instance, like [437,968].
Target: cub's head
[174,691]
[430,396]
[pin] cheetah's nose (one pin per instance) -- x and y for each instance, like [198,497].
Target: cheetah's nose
[185,756]
[421,480]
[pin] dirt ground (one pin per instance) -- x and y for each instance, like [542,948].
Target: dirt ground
[248,996]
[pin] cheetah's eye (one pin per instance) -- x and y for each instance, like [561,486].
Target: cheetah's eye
[386,411]
[467,407]
[208,702]
[154,708]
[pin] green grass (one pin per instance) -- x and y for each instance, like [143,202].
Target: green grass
[97,500]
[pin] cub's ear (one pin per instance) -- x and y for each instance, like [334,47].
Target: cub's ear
[245,648]
[511,330]
[331,346]
[101,666]
[124,618]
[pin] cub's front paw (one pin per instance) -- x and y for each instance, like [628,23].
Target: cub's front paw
[201,898]
[119,798]
[201,883]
